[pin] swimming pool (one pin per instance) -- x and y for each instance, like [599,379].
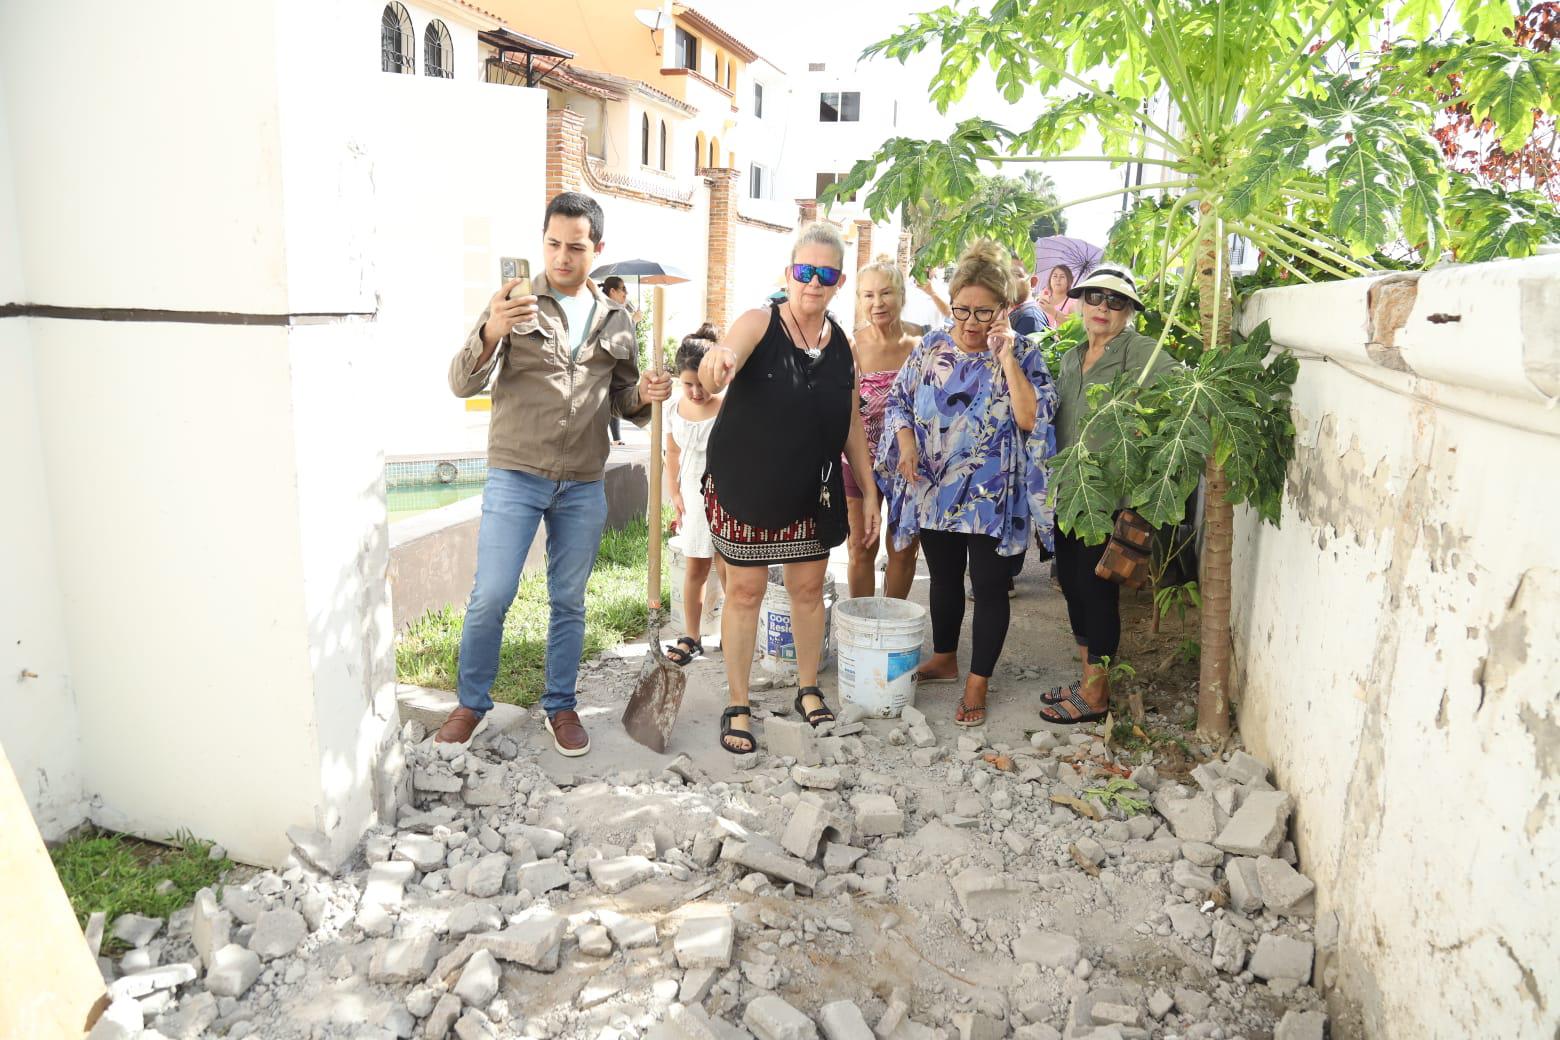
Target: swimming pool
[411,499]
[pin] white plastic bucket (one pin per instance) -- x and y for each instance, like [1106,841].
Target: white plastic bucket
[774,626]
[677,573]
[879,643]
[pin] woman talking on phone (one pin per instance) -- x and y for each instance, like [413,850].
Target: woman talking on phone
[970,415]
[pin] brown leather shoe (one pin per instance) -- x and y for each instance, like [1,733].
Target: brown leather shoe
[568,734]
[459,727]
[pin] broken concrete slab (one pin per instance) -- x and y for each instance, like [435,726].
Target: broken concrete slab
[817,778]
[789,738]
[630,933]
[1229,947]
[1047,949]
[1189,922]
[1280,957]
[1191,819]
[135,930]
[983,894]
[843,1020]
[277,933]
[771,1018]
[620,873]
[705,942]
[121,1020]
[153,980]
[232,971]
[1284,889]
[1258,826]
[402,960]
[878,815]
[594,941]
[211,928]
[423,851]
[1245,885]
[316,849]
[543,876]
[1301,1025]
[809,825]
[479,979]
[769,859]
[387,882]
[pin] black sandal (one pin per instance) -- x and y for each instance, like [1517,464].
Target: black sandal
[728,730]
[1059,694]
[1086,711]
[684,650]
[817,716]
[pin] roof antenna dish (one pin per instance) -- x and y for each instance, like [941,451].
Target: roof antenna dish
[651,19]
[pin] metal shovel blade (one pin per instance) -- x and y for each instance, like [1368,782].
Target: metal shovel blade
[657,698]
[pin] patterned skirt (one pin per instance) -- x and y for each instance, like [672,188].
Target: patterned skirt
[744,545]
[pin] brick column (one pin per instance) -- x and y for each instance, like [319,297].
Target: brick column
[863,258]
[565,152]
[720,280]
[904,253]
[807,212]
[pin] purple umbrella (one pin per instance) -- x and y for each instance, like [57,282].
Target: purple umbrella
[1060,251]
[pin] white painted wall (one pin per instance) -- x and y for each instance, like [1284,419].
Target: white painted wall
[641,230]
[1398,648]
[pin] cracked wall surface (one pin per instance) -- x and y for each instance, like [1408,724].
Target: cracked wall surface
[1398,647]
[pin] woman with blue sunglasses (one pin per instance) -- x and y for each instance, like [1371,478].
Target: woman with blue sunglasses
[774,468]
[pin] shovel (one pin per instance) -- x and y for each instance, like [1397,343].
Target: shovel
[652,709]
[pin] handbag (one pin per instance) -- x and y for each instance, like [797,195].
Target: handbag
[1128,552]
[832,524]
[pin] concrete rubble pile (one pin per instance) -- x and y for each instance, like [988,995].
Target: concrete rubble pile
[866,881]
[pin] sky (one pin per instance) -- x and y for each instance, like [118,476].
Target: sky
[839,30]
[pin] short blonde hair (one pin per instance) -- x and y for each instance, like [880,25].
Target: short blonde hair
[820,233]
[888,269]
[986,264]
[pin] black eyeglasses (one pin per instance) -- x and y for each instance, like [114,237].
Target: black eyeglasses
[1114,300]
[981,314]
[828,277]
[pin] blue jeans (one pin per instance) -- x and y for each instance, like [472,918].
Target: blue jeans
[513,504]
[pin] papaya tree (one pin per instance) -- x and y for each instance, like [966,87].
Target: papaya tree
[1281,121]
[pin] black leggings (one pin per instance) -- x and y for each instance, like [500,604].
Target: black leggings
[946,555]
[1093,604]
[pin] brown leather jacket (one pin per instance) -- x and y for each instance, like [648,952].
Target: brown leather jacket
[550,411]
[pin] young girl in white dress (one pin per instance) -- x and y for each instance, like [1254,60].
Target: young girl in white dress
[688,437]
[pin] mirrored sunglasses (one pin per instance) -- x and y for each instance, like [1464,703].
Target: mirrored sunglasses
[1114,300]
[828,277]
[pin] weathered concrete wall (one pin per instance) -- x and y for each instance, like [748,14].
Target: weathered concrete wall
[1399,652]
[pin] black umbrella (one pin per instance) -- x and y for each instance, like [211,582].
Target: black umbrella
[648,272]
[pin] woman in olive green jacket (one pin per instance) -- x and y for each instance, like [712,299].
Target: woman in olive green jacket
[1109,299]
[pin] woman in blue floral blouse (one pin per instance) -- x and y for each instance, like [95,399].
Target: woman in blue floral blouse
[969,418]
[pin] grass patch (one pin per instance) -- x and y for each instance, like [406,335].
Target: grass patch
[428,654]
[119,875]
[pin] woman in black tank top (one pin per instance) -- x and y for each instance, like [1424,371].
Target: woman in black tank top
[774,454]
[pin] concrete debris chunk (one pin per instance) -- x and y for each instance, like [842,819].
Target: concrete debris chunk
[623,872]
[705,942]
[486,878]
[543,876]
[277,933]
[479,980]
[1245,885]
[232,971]
[210,927]
[1301,1025]
[135,930]
[1190,819]
[1259,825]
[594,940]
[532,942]
[121,1020]
[1280,957]
[474,1025]
[545,840]
[387,882]
[843,1020]
[761,855]
[1048,949]
[983,894]
[153,980]
[1246,769]
[805,830]
[436,781]
[1284,890]
[630,933]
[838,859]
[1203,855]
[878,815]
[1036,1031]
[1160,1004]
[402,960]
[973,1025]
[771,1018]
[1185,874]
[474,917]
[790,738]
[696,985]
[421,850]
[1106,1013]
[1229,947]
[817,778]
[1189,922]
[442,1019]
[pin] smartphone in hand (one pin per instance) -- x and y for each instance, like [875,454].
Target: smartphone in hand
[512,267]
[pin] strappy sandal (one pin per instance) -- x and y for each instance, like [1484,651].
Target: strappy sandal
[684,650]
[1086,712]
[1059,694]
[969,715]
[728,730]
[818,715]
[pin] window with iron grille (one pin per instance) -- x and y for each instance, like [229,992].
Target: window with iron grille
[438,54]
[758,101]
[687,52]
[397,46]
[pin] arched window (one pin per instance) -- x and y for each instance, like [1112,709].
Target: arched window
[717,66]
[699,153]
[438,54]
[644,140]
[397,46]
[714,153]
[731,77]
[663,146]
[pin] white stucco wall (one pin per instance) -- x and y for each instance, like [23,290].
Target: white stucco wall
[1398,648]
[641,230]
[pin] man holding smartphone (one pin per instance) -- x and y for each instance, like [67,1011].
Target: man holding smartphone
[559,361]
